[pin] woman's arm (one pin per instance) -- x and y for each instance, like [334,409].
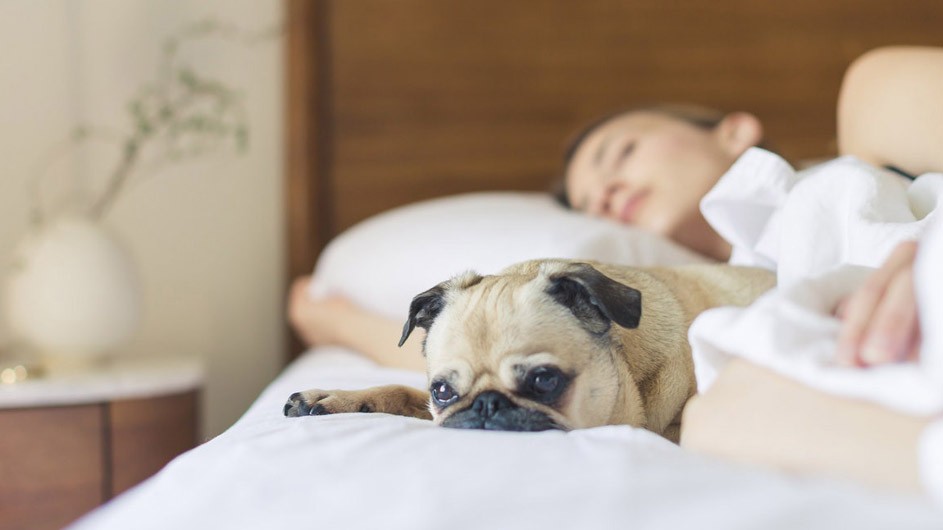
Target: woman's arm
[890,109]
[339,322]
[755,416]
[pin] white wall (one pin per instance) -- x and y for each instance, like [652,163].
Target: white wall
[207,234]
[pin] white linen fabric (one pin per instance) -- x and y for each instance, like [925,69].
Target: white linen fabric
[823,230]
[369,471]
[930,454]
[384,261]
[929,291]
[806,223]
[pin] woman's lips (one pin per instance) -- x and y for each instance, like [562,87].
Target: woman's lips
[631,207]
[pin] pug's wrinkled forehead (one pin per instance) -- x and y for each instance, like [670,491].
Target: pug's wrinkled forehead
[533,295]
[531,309]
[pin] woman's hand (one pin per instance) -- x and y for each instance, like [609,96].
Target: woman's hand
[317,321]
[879,320]
[337,321]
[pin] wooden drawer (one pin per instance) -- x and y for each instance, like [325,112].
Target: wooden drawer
[56,463]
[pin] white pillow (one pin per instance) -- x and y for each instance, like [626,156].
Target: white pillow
[384,261]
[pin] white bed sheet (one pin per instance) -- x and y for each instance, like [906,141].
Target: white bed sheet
[380,471]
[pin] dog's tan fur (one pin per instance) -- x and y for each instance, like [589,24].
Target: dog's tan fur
[494,328]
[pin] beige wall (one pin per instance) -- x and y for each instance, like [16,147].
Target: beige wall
[206,234]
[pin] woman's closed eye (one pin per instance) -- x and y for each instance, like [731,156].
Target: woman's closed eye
[617,155]
[624,153]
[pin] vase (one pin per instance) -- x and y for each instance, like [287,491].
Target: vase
[73,294]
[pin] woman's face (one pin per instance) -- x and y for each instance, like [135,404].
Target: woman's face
[651,170]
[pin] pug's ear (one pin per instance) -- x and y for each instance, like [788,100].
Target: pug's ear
[423,310]
[426,306]
[595,299]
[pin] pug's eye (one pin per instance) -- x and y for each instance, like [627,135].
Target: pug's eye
[544,381]
[442,393]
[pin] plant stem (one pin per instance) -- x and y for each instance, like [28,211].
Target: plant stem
[118,179]
[132,149]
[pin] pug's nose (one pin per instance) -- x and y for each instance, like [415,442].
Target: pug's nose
[487,404]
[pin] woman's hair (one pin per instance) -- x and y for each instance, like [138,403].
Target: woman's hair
[703,117]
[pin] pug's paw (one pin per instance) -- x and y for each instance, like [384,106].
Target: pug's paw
[322,402]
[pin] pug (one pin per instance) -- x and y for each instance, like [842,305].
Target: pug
[554,344]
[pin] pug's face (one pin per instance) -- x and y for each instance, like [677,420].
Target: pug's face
[529,350]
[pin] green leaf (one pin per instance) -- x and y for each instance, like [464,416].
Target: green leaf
[144,126]
[187,78]
[136,108]
[130,148]
[242,139]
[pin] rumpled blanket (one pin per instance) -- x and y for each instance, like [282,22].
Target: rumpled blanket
[824,230]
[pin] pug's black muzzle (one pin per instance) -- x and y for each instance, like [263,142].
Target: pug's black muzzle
[493,411]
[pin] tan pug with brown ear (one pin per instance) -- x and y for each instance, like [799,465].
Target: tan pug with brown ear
[554,344]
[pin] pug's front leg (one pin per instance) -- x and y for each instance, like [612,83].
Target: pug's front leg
[391,399]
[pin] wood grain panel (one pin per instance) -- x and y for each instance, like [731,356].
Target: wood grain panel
[51,463]
[433,97]
[307,140]
[391,102]
[308,213]
[147,433]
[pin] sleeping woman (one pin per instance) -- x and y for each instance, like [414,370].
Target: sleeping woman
[648,168]
[652,168]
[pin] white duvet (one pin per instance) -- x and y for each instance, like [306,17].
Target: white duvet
[375,471]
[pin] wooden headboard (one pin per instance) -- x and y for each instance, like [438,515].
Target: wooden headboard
[394,101]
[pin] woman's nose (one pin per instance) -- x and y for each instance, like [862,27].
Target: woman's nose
[600,203]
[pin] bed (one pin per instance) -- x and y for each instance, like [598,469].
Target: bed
[449,117]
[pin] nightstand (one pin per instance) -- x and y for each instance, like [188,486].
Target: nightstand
[71,441]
